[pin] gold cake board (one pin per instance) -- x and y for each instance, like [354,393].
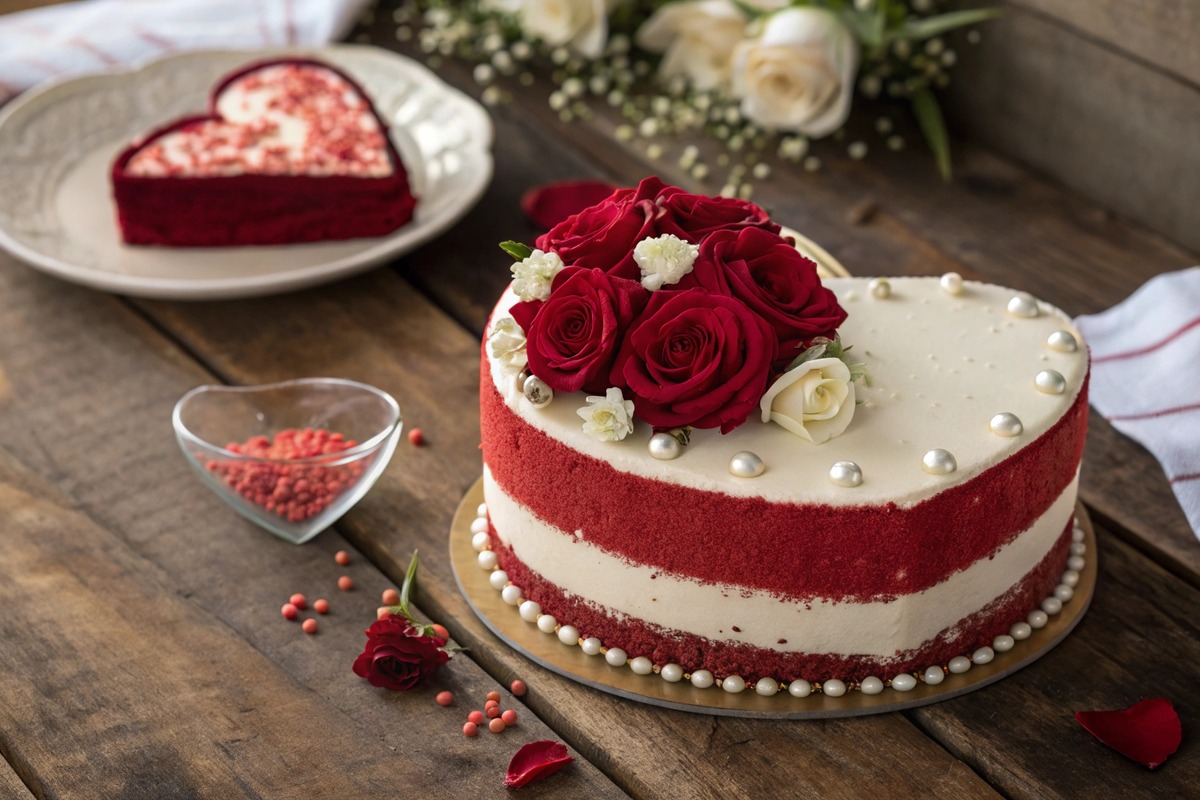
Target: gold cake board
[571,662]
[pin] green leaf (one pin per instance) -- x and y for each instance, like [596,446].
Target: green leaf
[920,29]
[518,251]
[929,117]
[410,580]
[865,27]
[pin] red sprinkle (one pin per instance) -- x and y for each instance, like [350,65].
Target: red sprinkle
[309,626]
[342,557]
[390,597]
[497,726]
[345,583]
[491,704]
[470,729]
[321,605]
[493,696]
[415,437]
[509,717]
[492,713]
[518,688]
[290,611]
[476,717]
[298,601]
[440,632]
[444,698]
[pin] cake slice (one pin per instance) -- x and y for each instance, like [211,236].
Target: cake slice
[290,150]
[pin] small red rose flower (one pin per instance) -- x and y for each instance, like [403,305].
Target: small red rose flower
[774,280]
[696,358]
[398,656]
[604,235]
[573,336]
[1147,732]
[535,761]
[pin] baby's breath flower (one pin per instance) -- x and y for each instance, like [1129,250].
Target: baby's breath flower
[664,260]
[532,276]
[608,418]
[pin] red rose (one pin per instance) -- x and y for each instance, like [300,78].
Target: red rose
[603,236]
[398,656]
[696,358]
[774,280]
[573,336]
[694,216]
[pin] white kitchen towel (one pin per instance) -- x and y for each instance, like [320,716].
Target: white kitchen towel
[1146,375]
[100,35]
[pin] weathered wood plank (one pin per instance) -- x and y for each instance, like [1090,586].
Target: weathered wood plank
[11,785]
[90,386]
[1021,732]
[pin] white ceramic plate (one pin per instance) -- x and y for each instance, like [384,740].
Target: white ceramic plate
[57,143]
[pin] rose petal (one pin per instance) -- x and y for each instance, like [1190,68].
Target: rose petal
[535,761]
[548,205]
[1147,732]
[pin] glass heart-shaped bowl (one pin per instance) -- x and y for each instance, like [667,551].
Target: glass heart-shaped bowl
[294,456]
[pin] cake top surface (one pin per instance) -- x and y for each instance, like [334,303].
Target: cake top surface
[944,365]
[287,118]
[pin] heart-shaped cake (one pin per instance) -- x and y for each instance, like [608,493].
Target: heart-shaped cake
[291,150]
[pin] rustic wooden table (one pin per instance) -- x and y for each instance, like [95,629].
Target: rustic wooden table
[142,654]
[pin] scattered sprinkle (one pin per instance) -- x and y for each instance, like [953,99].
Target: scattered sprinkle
[518,688]
[342,557]
[445,698]
[493,695]
[415,437]
[345,583]
[509,716]
[470,729]
[390,597]
[492,713]
[476,717]
[309,626]
[440,631]
[290,611]
[496,725]
[321,605]
[298,601]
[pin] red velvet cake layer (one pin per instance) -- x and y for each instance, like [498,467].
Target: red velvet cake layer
[692,652]
[795,551]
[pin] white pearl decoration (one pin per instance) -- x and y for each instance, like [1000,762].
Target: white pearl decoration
[1077,535]
[983,655]
[671,673]
[511,594]
[481,510]
[481,541]
[1076,563]
[1078,548]
[1052,605]
[641,665]
[487,560]
[591,646]
[1064,592]
[546,623]
[1023,306]
[871,685]
[702,679]
[530,611]
[1002,644]
[479,525]
[1050,381]
[833,687]
[959,664]
[904,682]
[1070,578]
[615,657]
[1062,341]
[767,687]
[745,464]
[951,283]
[537,392]
[498,579]
[846,474]
[1006,424]
[734,684]
[569,635]
[934,675]
[799,688]
[664,447]
[879,288]
[939,462]
[1037,619]
[1020,631]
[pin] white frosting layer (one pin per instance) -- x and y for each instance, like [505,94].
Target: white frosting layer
[875,629]
[943,364]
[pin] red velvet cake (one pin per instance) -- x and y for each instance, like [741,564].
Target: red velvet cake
[893,495]
[290,150]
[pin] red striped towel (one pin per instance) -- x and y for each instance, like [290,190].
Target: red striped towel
[1146,375]
[98,35]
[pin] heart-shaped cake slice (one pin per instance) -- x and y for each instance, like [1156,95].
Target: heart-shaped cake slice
[291,150]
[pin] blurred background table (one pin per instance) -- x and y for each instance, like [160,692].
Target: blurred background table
[143,653]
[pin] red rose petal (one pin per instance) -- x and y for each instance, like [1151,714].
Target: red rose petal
[1147,732]
[535,761]
[548,205]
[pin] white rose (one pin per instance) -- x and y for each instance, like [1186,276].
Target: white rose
[814,401]
[532,276]
[507,343]
[799,74]
[696,38]
[664,260]
[580,25]
[608,418]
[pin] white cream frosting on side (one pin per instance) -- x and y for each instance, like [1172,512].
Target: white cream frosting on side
[943,365]
[875,629]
